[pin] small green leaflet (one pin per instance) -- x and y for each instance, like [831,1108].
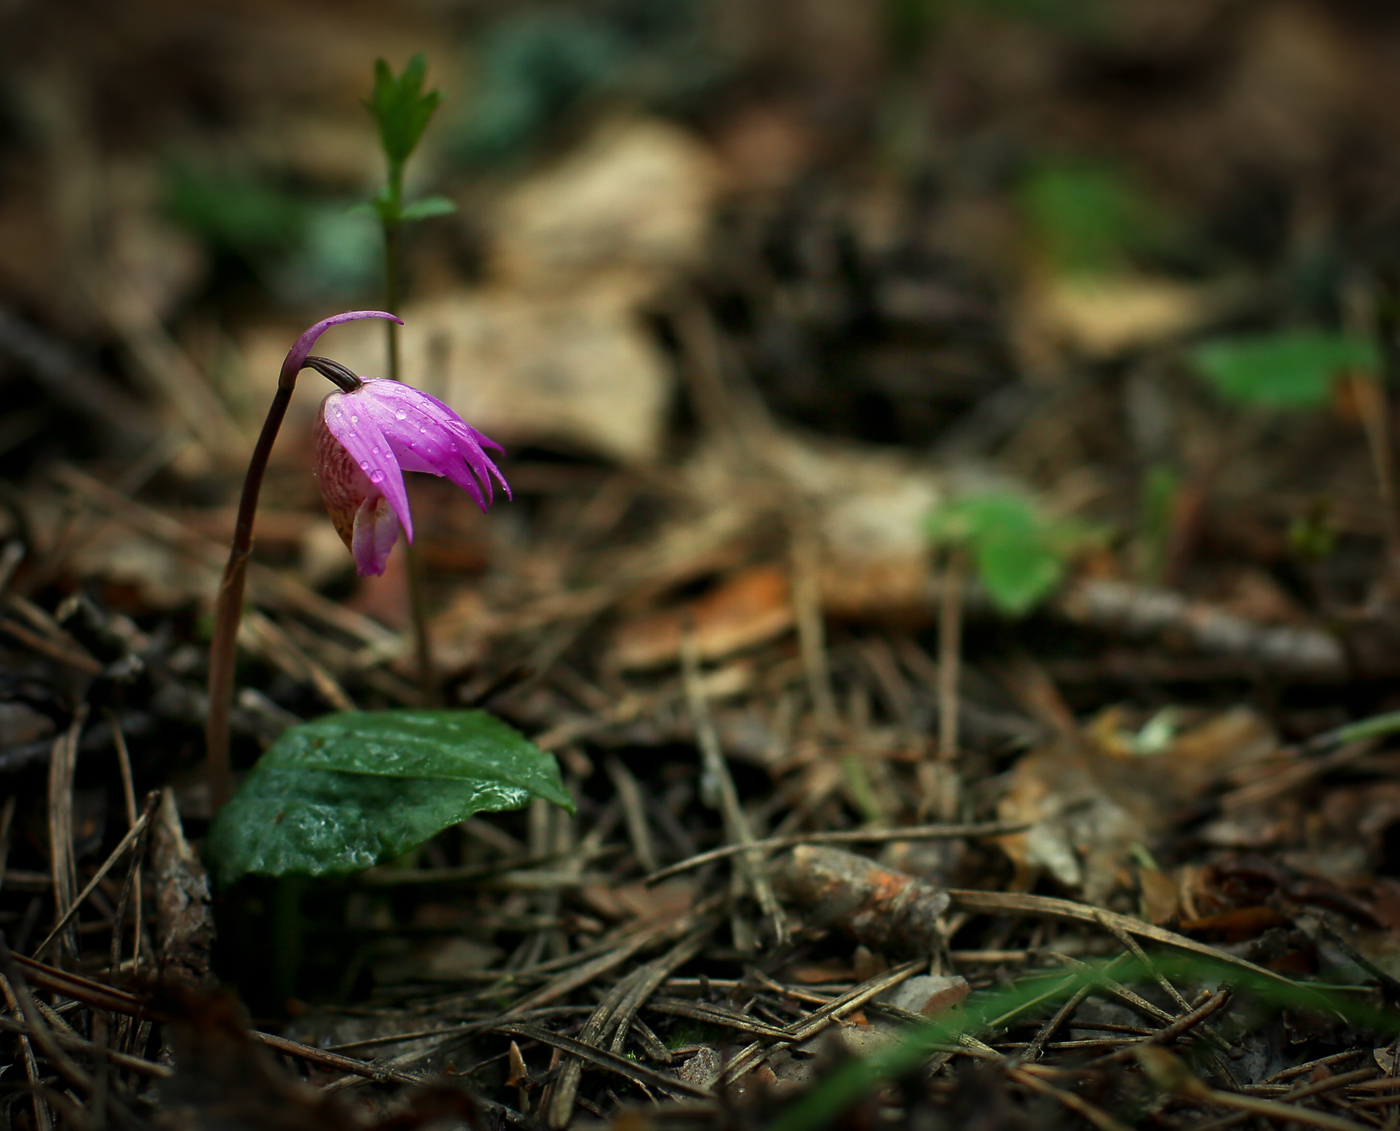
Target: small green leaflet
[400,108]
[427,207]
[1089,217]
[350,790]
[1019,552]
[1287,370]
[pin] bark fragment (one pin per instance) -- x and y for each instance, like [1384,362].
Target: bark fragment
[888,911]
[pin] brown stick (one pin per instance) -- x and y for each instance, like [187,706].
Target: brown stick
[844,836]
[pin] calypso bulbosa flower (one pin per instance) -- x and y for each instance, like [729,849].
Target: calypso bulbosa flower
[370,433]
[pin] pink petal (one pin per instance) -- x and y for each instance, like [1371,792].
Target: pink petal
[428,436]
[350,420]
[376,531]
[470,443]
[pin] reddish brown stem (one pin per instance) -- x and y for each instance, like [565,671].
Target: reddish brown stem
[228,608]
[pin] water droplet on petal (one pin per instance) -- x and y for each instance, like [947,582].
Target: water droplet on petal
[376,477]
[354,420]
[401,415]
[364,466]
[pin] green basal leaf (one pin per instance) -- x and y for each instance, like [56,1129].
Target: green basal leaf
[428,206]
[1286,370]
[347,791]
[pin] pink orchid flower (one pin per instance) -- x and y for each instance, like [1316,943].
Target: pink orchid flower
[367,436]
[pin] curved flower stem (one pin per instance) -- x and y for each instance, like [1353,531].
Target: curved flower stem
[228,607]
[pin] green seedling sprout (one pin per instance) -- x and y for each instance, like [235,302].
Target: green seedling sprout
[1019,553]
[402,112]
[1300,369]
[1161,489]
[1292,369]
[1088,217]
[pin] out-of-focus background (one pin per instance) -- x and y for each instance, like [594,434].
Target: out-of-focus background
[993,391]
[883,206]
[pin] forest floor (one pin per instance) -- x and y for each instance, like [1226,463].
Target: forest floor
[1080,808]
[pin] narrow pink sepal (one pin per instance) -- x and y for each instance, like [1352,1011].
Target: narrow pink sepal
[297,355]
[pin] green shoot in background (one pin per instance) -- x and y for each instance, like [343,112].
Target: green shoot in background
[1019,552]
[402,111]
[1292,369]
[1312,535]
[1161,487]
[1089,217]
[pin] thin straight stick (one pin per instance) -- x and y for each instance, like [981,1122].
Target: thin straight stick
[228,608]
[7,818]
[811,630]
[126,842]
[62,764]
[42,1119]
[736,822]
[949,665]
[413,565]
[129,796]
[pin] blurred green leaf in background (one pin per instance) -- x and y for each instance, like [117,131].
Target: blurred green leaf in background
[536,67]
[303,247]
[1292,369]
[1089,217]
[235,212]
[1018,551]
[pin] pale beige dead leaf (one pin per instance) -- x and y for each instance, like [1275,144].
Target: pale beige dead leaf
[575,370]
[1102,317]
[636,194]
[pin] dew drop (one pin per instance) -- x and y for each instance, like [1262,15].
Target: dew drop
[354,420]
[401,415]
[376,477]
[364,466]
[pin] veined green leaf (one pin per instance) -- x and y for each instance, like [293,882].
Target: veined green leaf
[347,791]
